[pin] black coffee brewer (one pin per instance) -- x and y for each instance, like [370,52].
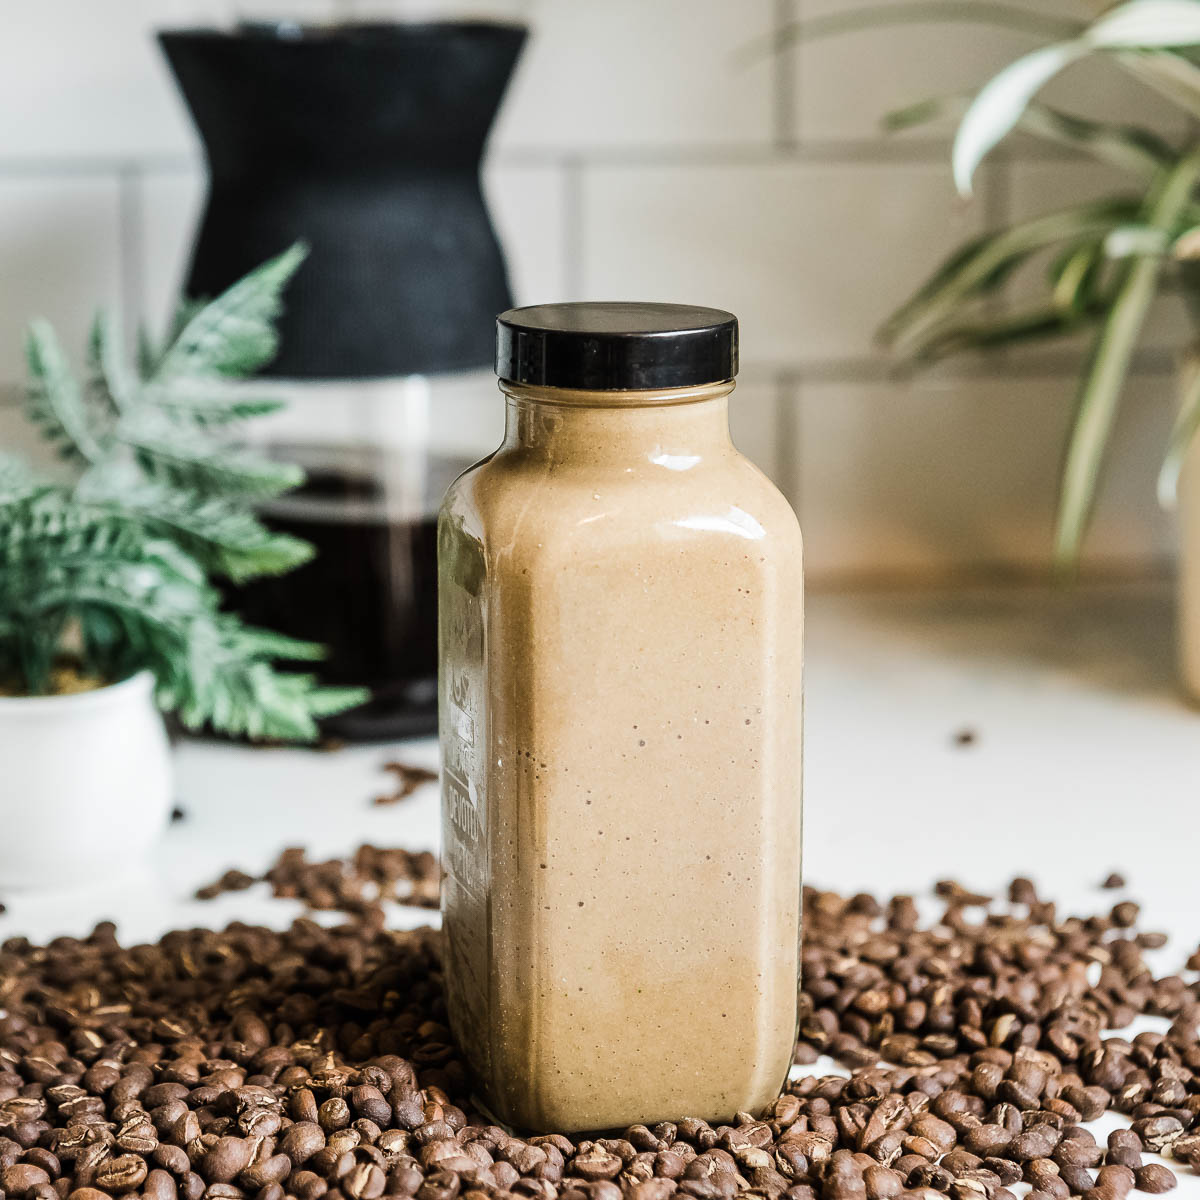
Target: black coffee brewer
[365,142]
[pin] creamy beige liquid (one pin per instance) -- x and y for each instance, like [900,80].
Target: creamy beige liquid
[621,619]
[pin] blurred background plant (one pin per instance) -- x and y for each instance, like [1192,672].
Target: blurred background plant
[1109,257]
[117,569]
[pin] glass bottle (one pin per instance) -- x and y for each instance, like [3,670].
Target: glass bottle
[620,599]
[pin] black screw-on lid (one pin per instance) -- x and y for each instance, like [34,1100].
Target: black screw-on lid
[611,346]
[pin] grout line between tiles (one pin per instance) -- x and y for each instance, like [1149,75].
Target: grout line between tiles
[130,233]
[573,216]
[785,65]
[836,153]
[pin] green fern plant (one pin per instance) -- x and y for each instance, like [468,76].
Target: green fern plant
[118,569]
[1108,259]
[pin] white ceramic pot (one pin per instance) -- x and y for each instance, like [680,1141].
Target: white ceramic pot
[85,783]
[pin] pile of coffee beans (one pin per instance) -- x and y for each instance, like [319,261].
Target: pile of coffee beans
[357,885]
[317,1064]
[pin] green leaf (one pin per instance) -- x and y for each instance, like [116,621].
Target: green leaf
[1075,276]
[986,262]
[1104,381]
[117,569]
[1170,75]
[919,12]
[1137,151]
[1133,241]
[181,458]
[1180,441]
[226,538]
[235,333]
[55,402]
[998,107]
[1040,322]
[207,403]
[17,481]
[108,378]
[1147,23]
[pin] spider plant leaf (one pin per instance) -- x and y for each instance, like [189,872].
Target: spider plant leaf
[1131,149]
[1104,381]
[1137,151]
[921,12]
[1133,241]
[1040,322]
[1170,75]
[1186,425]
[1153,24]
[986,262]
[1074,276]
[997,109]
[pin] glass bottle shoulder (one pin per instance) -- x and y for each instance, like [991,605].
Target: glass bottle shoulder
[514,495]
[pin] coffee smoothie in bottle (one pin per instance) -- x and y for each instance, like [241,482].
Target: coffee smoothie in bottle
[621,600]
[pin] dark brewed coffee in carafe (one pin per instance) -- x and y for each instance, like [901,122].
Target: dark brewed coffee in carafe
[370,594]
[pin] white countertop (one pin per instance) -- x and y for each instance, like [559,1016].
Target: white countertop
[1084,759]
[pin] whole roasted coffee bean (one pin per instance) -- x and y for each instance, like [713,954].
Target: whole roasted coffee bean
[21,1178]
[1124,1156]
[191,1186]
[881,1183]
[1072,1152]
[226,1159]
[126,1173]
[160,1185]
[1156,1133]
[1038,1142]
[1078,1179]
[1124,1137]
[1007,1171]
[302,1141]
[39,1156]
[171,1158]
[367,1182]
[1155,1178]
[987,1140]
[274,1169]
[1116,1179]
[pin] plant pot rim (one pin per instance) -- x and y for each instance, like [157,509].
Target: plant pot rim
[139,683]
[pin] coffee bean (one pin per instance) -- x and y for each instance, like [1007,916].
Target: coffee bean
[159,1185]
[1156,1133]
[1155,1178]
[125,1173]
[1124,1156]
[1116,1179]
[21,1178]
[1076,1153]
[191,1186]
[1078,1179]
[288,1081]
[986,1140]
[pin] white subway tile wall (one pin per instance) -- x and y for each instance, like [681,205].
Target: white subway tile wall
[658,149]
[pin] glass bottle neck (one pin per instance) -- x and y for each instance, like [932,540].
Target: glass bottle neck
[671,428]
